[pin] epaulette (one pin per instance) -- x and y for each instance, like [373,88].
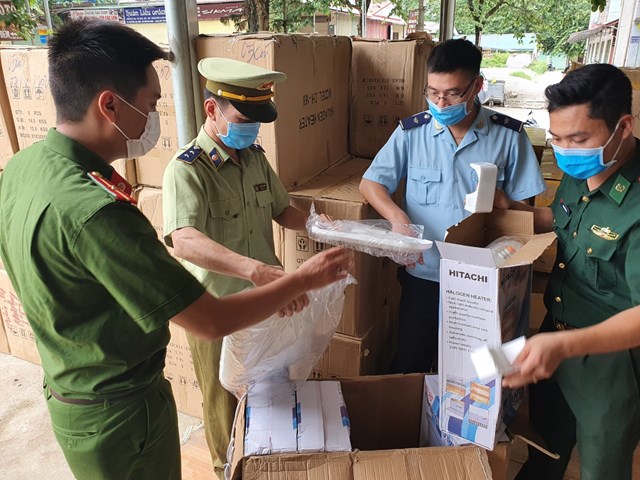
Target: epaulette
[416,120]
[190,154]
[110,188]
[257,147]
[506,121]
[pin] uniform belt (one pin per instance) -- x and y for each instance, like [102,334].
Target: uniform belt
[99,401]
[561,326]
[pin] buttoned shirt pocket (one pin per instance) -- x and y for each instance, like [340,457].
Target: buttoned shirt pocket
[227,220]
[264,199]
[423,186]
[598,266]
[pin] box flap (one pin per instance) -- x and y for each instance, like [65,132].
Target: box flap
[442,463]
[464,254]
[532,249]
[448,463]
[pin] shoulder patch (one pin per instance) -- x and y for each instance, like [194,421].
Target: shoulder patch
[189,155]
[506,121]
[416,120]
[257,147]
[110,188]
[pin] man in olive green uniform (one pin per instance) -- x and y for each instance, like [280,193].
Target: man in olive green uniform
[589,348]
[97,286]
[220,196]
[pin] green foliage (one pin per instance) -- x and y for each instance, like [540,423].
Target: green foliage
[520,74]
[17,18]
[497,60]
[538,67]
[598,5]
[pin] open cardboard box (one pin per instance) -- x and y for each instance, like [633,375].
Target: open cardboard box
[482,303]
[384,413]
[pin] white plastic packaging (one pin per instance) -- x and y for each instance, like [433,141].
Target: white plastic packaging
[282,349]
[503,248]
[374,237]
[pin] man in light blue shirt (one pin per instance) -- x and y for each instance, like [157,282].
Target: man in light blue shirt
[432,152]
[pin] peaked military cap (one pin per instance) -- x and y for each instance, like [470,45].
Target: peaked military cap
[247,87]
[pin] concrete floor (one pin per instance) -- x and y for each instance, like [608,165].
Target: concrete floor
[28,448]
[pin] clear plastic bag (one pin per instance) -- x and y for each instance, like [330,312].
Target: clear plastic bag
[283,348]
[375,237]
[504,247]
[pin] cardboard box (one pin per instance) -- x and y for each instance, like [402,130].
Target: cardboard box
[384,433]
[546,261]
[546,198]
[26,76]
[313,103]
[549,166]
[126,168]
[336,194]
[634,76]
[349,356]
[180,372]
[4,343]
[20,336]
[150,168]
[482,303]
[387,81]
[8,137]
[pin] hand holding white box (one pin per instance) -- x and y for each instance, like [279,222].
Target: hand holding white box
[493,361]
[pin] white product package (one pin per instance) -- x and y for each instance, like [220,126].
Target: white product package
[481,200]
[309,415]
[496,361]
[336,419]
[374,237]
[283,348]
[270,419]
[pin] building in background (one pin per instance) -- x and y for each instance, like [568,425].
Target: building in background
[601,36]
[627,48]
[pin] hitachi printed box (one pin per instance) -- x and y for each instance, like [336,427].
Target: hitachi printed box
[482,303]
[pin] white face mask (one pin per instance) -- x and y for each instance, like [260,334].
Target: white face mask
[138,147]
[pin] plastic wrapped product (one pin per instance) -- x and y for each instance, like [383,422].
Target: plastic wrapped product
[375,237]
[283,348]
[503,248]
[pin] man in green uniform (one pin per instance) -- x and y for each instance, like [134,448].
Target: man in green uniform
[589,343]
[220,196]
[97,286]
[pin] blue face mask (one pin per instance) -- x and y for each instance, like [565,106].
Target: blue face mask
[239,135]
[583,163]
[449,115]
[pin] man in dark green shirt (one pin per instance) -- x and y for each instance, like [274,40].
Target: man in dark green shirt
[97,286]
[588,345]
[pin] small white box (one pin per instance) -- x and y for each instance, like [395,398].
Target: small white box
[336,419]
[270,419]
[309,417]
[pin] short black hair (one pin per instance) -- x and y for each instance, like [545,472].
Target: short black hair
[604,87]
[88,55]
[453,55]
